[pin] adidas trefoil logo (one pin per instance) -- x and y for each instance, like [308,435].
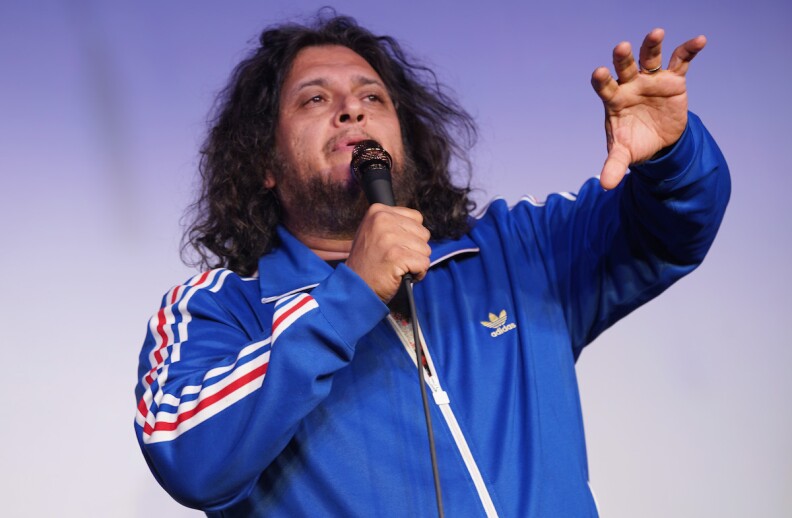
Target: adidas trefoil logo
[497,323]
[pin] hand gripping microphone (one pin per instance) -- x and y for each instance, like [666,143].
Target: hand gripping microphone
[371,165]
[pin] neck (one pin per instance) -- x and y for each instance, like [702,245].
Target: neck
[328,249]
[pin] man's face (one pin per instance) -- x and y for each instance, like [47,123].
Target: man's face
[331,99]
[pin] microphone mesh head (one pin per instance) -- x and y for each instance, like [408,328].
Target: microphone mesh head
[367,155]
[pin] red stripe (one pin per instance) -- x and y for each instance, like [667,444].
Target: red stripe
[204,403]
[175,294]
[150,376]
[203,277]
[164,342]
[161,321]
[142,408]
[294,308]
[161,333]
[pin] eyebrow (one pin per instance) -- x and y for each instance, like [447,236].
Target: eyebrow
[358,80]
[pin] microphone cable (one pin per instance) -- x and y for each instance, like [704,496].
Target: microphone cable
[371,166]
[408,287]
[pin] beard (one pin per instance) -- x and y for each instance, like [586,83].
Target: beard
[317,205]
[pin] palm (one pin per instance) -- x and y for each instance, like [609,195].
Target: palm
[644,112]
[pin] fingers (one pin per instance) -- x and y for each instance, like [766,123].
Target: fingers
[604,84]
[390,242]
[650,55]
[650,59]
[684,54]
[624,62]
[402,211]
[404,223]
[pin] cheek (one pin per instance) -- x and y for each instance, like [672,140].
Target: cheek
[306,140]
[290,144]
[397,143]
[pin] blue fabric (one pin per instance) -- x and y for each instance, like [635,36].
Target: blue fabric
[336,427]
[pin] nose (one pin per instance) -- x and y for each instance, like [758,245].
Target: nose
[351,111]
[346,117]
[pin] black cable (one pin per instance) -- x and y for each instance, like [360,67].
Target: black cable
[407,282]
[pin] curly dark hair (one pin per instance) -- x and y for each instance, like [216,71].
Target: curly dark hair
[233,221]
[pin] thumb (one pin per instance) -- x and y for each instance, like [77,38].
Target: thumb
[615,167]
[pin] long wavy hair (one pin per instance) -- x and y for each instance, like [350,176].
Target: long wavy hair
[233,221]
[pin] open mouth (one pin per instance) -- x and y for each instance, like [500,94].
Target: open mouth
[347,143]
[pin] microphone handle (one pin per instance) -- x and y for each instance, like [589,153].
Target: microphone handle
[377,186]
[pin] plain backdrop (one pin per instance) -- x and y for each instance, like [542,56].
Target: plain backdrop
[103,107]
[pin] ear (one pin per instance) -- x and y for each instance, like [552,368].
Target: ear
[269,180]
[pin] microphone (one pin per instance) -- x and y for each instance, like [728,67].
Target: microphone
[371,165]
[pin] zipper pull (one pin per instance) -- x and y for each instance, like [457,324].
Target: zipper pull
[441,397]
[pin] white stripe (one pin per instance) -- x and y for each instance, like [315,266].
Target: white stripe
[286,303]
[188,390]
[223,274]
[214,408]
[530,199]
[203,415]
[443,401]
[154,323]
[176,352]
[170,399]
[452,254]
[267,300]
[147,397]
[467,456]
[150,397]
[182,305]
[189,289]
[165,416]
[160,369]
[247,350]
[282,326]
[533,201]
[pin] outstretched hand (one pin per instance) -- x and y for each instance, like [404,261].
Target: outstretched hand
[646,108]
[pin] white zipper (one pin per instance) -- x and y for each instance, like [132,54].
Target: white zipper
[442,400]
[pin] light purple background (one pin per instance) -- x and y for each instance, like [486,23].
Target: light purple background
[103,109]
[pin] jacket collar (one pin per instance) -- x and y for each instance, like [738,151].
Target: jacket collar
[291,267]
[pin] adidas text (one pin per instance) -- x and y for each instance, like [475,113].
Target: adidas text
[503,329]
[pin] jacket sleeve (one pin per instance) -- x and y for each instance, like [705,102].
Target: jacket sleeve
[608,252]
[223,384]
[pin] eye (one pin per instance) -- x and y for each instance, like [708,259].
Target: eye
[373,98]
[316,99]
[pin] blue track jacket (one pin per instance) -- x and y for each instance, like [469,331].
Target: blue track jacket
[291,394]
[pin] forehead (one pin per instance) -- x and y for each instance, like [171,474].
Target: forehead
[326,61]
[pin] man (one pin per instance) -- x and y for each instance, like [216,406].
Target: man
[282,384]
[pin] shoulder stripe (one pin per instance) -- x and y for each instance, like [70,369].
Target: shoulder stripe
[165,416]
[169,325]
[289,310]
[212,398]
[151,414]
